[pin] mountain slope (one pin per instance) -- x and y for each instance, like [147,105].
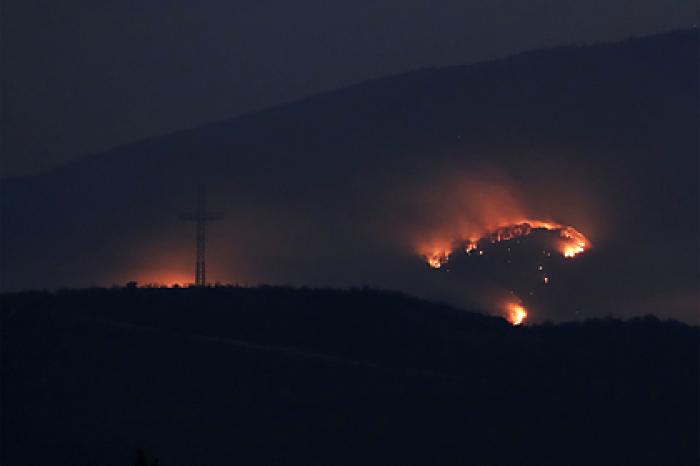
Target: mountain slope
[600,137]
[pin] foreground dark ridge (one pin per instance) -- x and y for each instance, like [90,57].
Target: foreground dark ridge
[299,376]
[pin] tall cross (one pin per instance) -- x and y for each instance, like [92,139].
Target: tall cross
[200,216]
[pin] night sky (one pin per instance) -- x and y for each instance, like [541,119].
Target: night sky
[81,77]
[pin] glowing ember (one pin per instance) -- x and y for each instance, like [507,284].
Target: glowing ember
[516,313]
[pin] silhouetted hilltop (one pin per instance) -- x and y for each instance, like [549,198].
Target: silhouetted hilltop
[228,375]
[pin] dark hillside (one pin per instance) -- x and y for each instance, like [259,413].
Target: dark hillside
[298,376]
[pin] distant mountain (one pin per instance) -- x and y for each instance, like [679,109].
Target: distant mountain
[335,189]
[326,377]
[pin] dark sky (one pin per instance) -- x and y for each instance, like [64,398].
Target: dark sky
[82,76]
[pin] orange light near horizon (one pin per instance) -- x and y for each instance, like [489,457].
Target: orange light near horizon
[516,313]
[164,278]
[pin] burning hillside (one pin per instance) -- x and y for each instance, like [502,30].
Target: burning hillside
[571,241]
[551,236]
[478,223]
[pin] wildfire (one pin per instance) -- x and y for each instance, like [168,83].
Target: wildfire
[575,242]
[459,218]
[572,243]
[437,253]
[516,313]
[437,259]
[572,250]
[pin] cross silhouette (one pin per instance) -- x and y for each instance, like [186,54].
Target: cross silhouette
[200,216]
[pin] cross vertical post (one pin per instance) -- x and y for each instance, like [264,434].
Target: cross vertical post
[201,216]
[200,270]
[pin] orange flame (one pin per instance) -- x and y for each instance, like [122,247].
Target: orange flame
[515,313]
[575,242]
[437,253]
[437,260]
[572,243]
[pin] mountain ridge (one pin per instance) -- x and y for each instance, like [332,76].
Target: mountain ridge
[512,58]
